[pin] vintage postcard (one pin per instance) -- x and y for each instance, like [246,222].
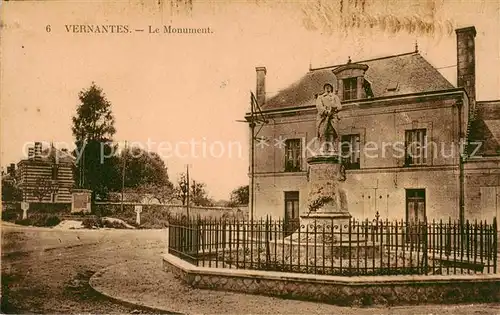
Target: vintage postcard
[250,157]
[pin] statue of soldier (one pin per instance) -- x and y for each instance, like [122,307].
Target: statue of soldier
[328,105]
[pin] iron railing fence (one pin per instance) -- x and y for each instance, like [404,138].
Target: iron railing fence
[356,247]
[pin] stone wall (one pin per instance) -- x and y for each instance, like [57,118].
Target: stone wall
[158,215]
[110,208]
[345,291]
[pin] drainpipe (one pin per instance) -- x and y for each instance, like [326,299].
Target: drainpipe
[461,158]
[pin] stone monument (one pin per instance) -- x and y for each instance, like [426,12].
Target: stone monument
[327,198]
[138,210]
[25,206]
[81,201]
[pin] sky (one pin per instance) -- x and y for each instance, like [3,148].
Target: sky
[173,89]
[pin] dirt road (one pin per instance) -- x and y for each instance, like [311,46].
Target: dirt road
[47,271]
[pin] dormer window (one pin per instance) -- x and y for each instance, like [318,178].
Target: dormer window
[350,89]
[351,82]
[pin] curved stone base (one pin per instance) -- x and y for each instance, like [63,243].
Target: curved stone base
[339,290]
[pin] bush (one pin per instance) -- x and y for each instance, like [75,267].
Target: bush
[10,216]
[92,223]
[113,224]
[52,220]
[40,219]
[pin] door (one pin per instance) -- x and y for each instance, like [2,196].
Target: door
[415,205]
[291,222]
[415,214]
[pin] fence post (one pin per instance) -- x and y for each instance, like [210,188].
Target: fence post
[167,240]
[268,250]
[425,247]
[495,244]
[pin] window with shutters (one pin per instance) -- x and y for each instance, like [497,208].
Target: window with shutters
[415,147]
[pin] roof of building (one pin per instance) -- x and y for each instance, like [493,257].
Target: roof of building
[49,155]
[409,72]
[486,128]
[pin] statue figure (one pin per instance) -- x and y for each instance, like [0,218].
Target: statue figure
[328,105]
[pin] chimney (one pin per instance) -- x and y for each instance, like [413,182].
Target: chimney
[466,62]
[31,153]
[11,170]
[261,85]
[38,150]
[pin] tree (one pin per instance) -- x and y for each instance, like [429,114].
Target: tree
[198,195]
[11,190]
[147,175]
[144,169]
[181,191]
[43,188]
[197,192]
[93,129]
[240,196]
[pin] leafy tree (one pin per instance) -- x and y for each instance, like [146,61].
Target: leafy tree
[144,169]
[93,129]
[11,190]
[240,196]
[94,119]
[147,175]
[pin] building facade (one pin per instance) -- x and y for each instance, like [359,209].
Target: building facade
[403,129]
[46,175]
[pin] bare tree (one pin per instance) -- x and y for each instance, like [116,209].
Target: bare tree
[43,188]
[181,191]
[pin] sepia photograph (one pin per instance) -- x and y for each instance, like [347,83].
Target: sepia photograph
[250,156]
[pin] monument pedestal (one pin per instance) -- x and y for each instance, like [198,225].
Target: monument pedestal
[327,220]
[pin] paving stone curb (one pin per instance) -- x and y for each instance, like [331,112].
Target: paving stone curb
[93,282]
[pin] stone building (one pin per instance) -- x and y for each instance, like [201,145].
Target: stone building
[402,128]
[46,175]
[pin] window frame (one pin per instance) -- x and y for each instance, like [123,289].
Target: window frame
[355,152]
[296,159]
[350,89]
[422,141]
